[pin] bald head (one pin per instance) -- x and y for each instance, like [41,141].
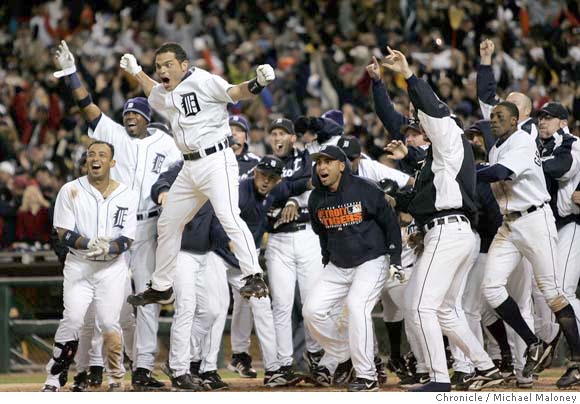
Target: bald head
[523,102]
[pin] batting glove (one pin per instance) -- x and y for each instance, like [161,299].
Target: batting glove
[397,273]
[265,75]
[129,64]
[98,247]
[65,60]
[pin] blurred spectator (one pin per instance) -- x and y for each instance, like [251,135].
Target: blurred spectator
[32,222]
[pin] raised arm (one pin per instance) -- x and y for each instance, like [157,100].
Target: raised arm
[130,65]
[486,85]
[249,89]
[68,72]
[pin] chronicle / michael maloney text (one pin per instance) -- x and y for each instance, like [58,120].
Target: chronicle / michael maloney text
[507,397]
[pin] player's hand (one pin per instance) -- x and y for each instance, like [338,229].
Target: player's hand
[65,60]
[397,273]
[129,64]
[265,75]
[397,62]
[289,213]
[162,198]
[415,241]
[486,48]
[396,150]
[98,247]
[576,197]
[392,201]
[374,69]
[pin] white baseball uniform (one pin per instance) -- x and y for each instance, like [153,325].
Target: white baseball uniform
[139,163]
[81,208]
[197,111]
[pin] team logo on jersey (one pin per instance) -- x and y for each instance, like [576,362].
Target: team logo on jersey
[190,104]
[119,217]
[157,163]
[341,216]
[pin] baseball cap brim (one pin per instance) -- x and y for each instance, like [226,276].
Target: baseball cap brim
[316,156]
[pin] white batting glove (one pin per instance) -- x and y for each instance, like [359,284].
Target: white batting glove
[65,60]
[129,64]
[265,75]
[98,247]
[397,273]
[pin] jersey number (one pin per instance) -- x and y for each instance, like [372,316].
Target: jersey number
[190,104]
[537,159]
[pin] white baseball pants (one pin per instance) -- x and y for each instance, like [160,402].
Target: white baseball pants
[569,254]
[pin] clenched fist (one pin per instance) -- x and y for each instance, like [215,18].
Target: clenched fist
[129,64]
[265,75]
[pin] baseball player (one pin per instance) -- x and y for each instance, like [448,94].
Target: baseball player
[519,186]
[246,160]
[326,131]
[292,253]
[442,204]
[357,229]
[195,102]
[144,153]
[95,216]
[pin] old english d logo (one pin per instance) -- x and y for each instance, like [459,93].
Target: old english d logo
[158,163]
[190,104]
[119,217]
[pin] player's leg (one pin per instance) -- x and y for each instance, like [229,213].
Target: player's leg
[280,254]
[392,297]
[81,380]
[569,253]
[218,180]
[109,294]
[77,296]
[367,284]
[182,203]
[128,324]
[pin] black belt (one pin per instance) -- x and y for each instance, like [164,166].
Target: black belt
[148,215]
[517,215]
[224,144]
[443,220]
[292,228]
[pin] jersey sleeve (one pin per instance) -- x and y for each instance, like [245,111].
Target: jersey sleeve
[486,88]
[520,155]
[217,88]
[381,171]
[130,227]
[156,98]
[108,131]
[64,215]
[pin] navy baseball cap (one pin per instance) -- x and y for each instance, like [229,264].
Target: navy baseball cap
[413,124]
[271,165]
[331,152]
[350,145]
[238,120]
[284,124]
[554,110]
[139,105]
[334,115]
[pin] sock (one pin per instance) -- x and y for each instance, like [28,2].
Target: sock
[510,313]
[498,332]
[567,321]
[394,330]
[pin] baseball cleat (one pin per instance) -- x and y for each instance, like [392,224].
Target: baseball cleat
[242,364]
[116,387]
[360,385]
[343,374]
[142,380]
[255,286]
[321,377]
[47,388]
[80,382]
[95,376]
[461,380]
[275,378]
[398,367]
[547,363]
[150,296]
[535,356]
[292,378]
[432,387]
[184,383]
[485,378]
[570,378]
[194,371]
[525,383]
[419,379]
[312,359]
[381,370]
[212,381]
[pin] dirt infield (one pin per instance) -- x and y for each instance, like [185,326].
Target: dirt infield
[245,385]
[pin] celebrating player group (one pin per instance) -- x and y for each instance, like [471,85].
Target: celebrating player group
[472,232]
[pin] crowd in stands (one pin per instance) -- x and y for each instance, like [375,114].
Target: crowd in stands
[319,48]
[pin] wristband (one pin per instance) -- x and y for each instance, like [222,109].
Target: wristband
[85,102]
[70,238]
[73,81]
[119,245]
[254,87]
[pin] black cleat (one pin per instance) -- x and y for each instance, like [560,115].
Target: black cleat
[95,376]
[242,364]
[47,388]
[80,382]
[212,381]
[535,356]
[292,378]
[547,363]
[275,378]
[184,383]
[432,387]
[142,380]
[398,367]
[255,286]
[460,380]
[360,385]
[150,296]
[321,376]
[570,378]
[381,370]
[343,374]
[410,362]
[485,378]
[312,359]
[419,379]
[194,371]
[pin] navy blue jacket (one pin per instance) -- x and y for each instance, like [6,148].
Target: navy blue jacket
[355,224]
[246,162]
[489,217]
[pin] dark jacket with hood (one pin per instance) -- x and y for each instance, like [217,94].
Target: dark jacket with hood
[355,224]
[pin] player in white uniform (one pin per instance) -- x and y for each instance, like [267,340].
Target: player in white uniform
[143,154]
[95,217]
[195,103]
[519,186]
